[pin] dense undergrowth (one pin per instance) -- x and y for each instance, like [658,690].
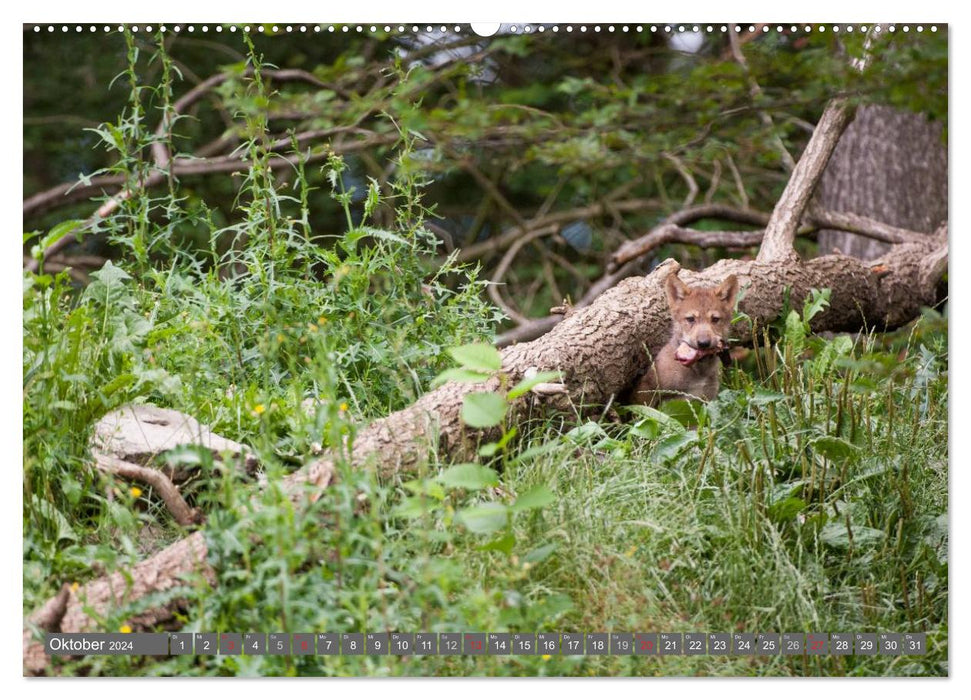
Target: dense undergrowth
[811,495]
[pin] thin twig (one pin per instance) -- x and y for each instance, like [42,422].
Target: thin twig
[180,510]
[756,92]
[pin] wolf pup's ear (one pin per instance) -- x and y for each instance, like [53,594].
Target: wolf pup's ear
[728,289]
[676,289]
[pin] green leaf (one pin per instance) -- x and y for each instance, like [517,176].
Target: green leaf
[786,509]
[503,544]
[57,233]
[373,197]
[351,238]
[664,422]
[493,447]
[817,300]
[584,433]
[485,518]
[537,497]
[835,448]
[426,487]
[795,334]
[762,397]
[527,384]
[412,507]
[188,456]
[108,288]
[458,374]
[540,553]
[687,413]
[840,346]
[835,534]
[477,356]
[50,513]
[469,476]
[670,446]
[483,409]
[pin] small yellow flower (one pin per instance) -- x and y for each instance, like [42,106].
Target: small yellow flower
[135,491]
[631,551]
[546,657]
[312,327]
[125,629]
[343,406]
[75,586]
[280,338]
[322,320]
[259,409]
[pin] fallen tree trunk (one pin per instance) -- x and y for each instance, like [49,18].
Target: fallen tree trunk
[599,350]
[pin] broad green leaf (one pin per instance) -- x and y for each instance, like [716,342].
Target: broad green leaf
[764,396]
[50,513]
[586,432]
[835,448]
[836,535]
[540,553]
[58,232]
[426,487]
[458,374]
[662,419]
[489,449]
[502,544]
[477,356]
[784,490]
[537,497]
[413,507]
[786,509]
[483,409]
[687,413]
[672,445]
[469,476]
[484,518]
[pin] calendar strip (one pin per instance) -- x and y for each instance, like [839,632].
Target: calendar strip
[547,644]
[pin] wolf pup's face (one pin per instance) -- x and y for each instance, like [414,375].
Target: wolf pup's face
[702,317]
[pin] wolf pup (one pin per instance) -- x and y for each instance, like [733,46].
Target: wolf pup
[689,363]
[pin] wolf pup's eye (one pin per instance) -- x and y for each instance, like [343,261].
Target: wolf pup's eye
[689,319]
[716,319]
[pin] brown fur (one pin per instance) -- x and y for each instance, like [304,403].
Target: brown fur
[701,318]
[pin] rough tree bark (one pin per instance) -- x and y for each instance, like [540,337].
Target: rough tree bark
[889,165]
[599,350]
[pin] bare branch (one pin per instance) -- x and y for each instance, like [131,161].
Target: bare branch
[688,178]
[180,510]
[503,267]
[509,236]
[666,231]
[789,210]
